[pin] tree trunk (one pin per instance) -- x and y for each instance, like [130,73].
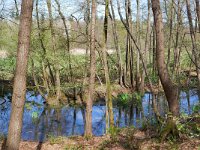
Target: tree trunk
[198,13]
[170,89]
[19,88]
[17,10]
[147,40]
[195,51]
[109,105]
[88,126]
[138,81]
[53,38]
[170,32]
[116,41]
[67,41]
[141,56]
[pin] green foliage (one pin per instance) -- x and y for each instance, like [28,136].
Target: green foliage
[8,34]
[8,64]
[113,131]
[137,99]
[35,115]
[28,106]
[189,125]
[126,100]
[196,108]
[154,78]
[123,100]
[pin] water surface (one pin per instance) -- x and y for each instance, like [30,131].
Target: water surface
[39,122]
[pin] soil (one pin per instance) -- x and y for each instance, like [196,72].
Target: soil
[126,139]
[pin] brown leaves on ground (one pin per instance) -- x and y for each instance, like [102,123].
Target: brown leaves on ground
[126,139]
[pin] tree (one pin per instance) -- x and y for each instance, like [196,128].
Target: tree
[53,38]
[88,126]
[170,89]
[109,104]
[19,88]
[116,42]
[195,50]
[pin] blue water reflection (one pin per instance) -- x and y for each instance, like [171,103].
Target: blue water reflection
[40,121]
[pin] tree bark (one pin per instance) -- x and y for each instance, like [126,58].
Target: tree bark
[67,41]
[116,41]
[88,126]
[53,38]
[141,57]
[17,10]
[170,89]
[147,40]
[19,88]
[109,105]
[198,13]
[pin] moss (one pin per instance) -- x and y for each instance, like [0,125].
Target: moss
[170,127]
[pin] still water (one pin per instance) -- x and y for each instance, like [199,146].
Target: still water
[39,122]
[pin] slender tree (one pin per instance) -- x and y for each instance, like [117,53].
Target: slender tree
[116,41]
[195,51]
[88,126]
[198,13]
[109,105]
[53,42]
[170,89]
[19,88]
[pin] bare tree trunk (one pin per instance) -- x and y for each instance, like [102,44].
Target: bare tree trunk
[19,88]
[116,41]
[170,32]
[17,10]
[67,41]
[195,52]
[198,13]
[129,68]
[109,105]
[178,33]
[35,80]
[141,57]
[57,74]
[170,89]
[147,40]
[138,41]
[45,62]
[88,126]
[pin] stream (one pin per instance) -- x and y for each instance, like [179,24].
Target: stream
[41,122]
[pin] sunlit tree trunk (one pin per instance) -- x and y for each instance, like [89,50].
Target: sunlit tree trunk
[89,100]
[177,48]
[129,68]
[67,40]
[195,51]
[138,42]
[116,41]
[53,38]
[19,88]
[141,58]
[170,89]
[146,48]
[198,13]
[109,105]
[170,20]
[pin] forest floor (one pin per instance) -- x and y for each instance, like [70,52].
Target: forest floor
[125,139]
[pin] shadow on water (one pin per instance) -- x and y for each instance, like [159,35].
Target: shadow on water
[41,122]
